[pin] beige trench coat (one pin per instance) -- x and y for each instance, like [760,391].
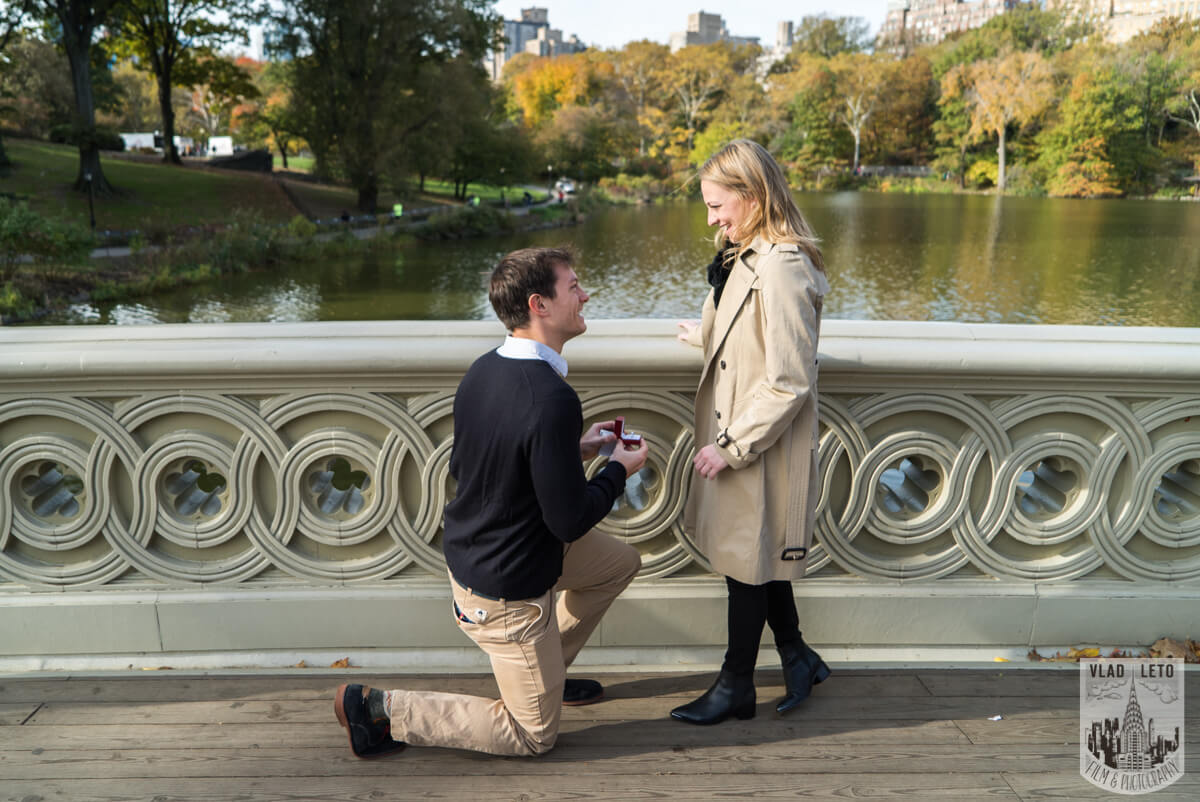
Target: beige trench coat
[757,400]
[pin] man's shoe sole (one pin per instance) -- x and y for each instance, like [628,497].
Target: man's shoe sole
[339,710]
[591,700]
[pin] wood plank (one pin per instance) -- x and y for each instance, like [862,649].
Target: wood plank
[612,788]
[800,733]
[1017,682]
[1001,684]
[318,710]
[581,759]
[1064,787]
[1027,729]
[164,687]
[16,713]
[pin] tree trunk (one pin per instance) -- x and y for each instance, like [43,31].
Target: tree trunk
[4,160]
[85,116]
[368,196]
[857,140]
[282,153]
[170,154]
[1000,179]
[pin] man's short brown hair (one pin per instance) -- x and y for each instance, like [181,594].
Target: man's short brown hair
[521,274]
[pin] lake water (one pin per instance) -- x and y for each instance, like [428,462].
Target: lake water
[967,258]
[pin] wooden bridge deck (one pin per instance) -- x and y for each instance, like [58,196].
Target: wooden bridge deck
[880,734]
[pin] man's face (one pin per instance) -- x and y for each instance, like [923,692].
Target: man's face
[566,307]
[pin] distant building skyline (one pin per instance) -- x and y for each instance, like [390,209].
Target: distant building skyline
[615,23]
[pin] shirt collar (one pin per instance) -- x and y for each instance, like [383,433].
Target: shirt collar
[524,348]
[759,245]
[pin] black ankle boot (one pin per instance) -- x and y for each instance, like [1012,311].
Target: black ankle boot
[802,669]
[730,695]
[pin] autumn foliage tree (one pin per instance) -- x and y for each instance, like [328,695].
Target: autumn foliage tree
[859,82]
[1011,89]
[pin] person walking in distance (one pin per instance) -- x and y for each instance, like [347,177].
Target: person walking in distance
[752,502]
[530,578]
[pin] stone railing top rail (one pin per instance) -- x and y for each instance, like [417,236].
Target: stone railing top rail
[262,350]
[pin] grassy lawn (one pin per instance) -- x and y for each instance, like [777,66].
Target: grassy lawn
[486,192]
[151,195]
[301,164]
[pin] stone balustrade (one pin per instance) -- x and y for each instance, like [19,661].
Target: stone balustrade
[251,492]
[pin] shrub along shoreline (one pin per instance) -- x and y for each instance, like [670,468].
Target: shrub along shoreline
[48,264]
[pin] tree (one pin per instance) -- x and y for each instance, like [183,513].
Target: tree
[79,20]
[227,84]
[584,141]
[826,36]
[901,131]
[549,84]
[1094,144]
[806,99]
[360,75]
[266,117]
[138,109]
[859,81]
[12,17]
[177,40]
[1157,73]
[639,67]
[1011,89]
[696,76]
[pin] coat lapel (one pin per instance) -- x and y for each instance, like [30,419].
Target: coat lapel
[737,287]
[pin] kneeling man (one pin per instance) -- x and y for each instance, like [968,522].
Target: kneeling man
[517,533]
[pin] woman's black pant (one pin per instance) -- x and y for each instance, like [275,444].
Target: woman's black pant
[751,606]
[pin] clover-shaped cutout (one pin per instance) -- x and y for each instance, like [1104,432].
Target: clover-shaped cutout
[639,489]
[52,491]
[339,487]
[1045,489]
[1177,496]
[196,490]
[907,488]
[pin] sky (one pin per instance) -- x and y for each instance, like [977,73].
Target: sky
[612,23]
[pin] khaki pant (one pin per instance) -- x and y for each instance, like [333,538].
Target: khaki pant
[530,642]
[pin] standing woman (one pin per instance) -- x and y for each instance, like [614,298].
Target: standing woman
[753,497]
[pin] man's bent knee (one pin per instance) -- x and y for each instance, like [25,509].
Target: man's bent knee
[533,747]
[631,562]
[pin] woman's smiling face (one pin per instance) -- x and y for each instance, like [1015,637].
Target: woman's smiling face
[725,209]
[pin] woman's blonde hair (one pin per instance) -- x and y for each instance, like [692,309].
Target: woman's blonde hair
[746,169]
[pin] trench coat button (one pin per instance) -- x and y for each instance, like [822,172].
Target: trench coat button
[722,364]
[718,416]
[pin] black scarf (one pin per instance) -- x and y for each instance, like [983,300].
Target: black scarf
[718,274]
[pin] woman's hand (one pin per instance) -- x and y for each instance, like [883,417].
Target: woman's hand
[709,462]
[686,327]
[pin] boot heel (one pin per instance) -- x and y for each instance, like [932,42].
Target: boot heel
[821,674]
[743,713]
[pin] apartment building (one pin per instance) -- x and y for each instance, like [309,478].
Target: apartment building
[530,34]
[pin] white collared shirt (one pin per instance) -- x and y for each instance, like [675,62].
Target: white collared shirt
[524,348]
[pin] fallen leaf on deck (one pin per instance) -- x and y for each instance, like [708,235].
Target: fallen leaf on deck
[343,663]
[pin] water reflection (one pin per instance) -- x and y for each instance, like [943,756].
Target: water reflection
[934,257]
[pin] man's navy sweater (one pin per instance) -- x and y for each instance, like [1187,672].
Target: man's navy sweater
[522,492]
